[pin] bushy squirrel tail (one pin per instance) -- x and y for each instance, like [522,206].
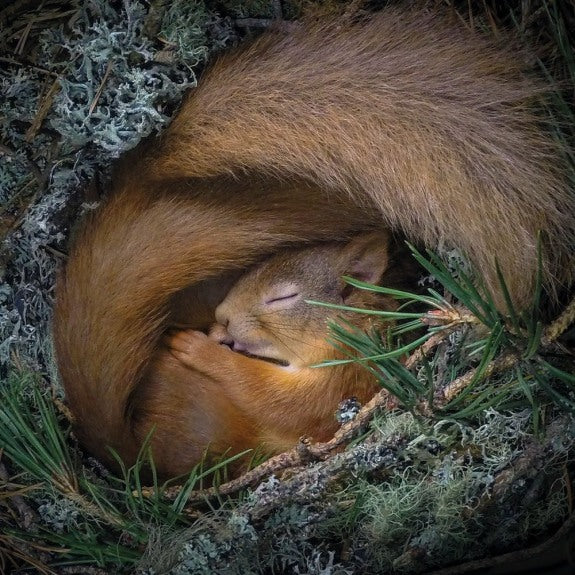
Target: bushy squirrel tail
[409,114]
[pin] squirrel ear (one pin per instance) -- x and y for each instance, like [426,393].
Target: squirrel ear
[366,259]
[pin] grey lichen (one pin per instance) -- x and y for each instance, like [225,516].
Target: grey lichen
[97,84]
[111,91]
[413,494]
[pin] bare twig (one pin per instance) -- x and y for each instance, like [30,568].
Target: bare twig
[21,62]
[17,553]
[304,453]
[506,361]
[101,87]
[427,347]
[560,325]
[307,452]
[43,110]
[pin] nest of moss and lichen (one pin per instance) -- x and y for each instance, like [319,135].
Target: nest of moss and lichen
[475,465]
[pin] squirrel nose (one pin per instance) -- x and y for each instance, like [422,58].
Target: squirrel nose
[220,334]
[222,315]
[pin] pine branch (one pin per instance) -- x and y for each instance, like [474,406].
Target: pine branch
[306,452]
[506,361]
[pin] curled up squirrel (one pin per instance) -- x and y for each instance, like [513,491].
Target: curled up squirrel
[404,121]
[266,316]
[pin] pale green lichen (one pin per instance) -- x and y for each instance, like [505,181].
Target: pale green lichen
[59,514]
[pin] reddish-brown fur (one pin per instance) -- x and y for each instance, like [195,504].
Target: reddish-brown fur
[266,315]
[117,297]
[405,121]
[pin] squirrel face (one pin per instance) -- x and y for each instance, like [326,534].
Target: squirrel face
[267,313]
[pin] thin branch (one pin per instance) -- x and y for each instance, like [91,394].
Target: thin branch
[15,61]
[43,110]
[504,362]
[560,325]
[426,348]
[306,452]
[101,87]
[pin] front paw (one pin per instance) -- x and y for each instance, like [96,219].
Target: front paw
[193,348]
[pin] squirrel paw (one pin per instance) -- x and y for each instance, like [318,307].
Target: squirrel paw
[192,348]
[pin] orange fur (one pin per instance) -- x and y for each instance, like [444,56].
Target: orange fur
[266,315]
[407,113]
[284,404]
[121,290]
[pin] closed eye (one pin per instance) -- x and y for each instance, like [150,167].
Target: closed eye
[282,298]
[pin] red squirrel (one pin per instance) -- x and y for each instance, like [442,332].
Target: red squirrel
[404,121]
[278,338]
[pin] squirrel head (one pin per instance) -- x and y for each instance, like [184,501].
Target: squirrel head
[266,314]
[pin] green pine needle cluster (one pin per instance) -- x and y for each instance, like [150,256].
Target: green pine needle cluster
[478,336]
